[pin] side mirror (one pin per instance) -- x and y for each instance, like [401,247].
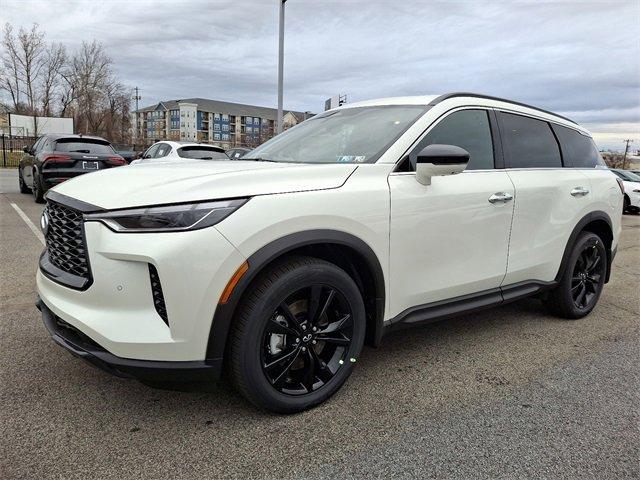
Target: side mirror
[26,149]
[440,160]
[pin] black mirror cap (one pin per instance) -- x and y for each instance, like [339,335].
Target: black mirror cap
[443,155]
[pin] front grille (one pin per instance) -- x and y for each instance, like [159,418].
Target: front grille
[156,293]
[65,240]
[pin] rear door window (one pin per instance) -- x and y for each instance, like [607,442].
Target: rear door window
[76,145]
[578,150]
[202,153]
[468,129]
[528,143]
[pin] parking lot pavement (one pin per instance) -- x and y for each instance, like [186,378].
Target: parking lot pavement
[506,393]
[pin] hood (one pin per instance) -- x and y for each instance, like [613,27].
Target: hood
[169,182]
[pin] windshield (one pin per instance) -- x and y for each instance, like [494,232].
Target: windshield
[631,177]
[202,153]
[95,147]
[351,135]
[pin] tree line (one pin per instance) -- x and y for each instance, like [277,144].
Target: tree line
[42,78]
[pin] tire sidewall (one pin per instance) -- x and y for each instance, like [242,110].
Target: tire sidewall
[583,241]
[284,286]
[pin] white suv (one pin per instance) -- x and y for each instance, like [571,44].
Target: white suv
[170,151]
[367,218]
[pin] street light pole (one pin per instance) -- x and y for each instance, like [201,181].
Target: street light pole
[280,64]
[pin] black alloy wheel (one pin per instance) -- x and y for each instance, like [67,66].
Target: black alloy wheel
[586,280]
[307,339]
[579,289]
[36,189]
[297,334]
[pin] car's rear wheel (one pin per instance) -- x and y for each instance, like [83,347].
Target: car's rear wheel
[581,285]
[23,186]
[37,188]
[297,335]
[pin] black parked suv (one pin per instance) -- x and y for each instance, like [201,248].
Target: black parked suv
[56,158]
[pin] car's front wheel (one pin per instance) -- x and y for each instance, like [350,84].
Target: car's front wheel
[297,334]
[37,189]
[23,186]
[581,285]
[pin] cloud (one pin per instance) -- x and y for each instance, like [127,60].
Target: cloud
[581,59]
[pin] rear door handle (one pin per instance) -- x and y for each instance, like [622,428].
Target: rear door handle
[500,197]
[579,192]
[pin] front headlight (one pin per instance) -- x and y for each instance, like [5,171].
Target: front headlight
[167,218]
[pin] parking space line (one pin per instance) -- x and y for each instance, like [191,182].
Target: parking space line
[36,231]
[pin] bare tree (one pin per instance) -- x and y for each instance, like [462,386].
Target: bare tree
[52,81]
[10,81]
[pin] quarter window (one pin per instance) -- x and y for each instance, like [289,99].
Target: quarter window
[578,150]
[468,129]
[528,143]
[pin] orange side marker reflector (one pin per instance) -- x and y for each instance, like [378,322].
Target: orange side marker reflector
[228,290]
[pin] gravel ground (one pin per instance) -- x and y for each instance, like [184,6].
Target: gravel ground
[506,393]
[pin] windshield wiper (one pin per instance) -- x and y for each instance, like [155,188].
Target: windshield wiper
[205,158]
[258,159]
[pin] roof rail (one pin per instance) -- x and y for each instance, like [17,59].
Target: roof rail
[447,96]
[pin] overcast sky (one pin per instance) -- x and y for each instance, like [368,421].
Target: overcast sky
[581,59]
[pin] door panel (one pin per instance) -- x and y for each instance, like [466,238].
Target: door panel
[446,238]
[544,217]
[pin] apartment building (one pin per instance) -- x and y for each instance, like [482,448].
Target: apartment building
[201,120]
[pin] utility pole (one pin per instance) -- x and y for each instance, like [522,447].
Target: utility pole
[626,149]
[280,65]
[136,97]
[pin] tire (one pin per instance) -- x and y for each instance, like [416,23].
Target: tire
[37,189]
[280,359]
[581,285]
[626,204]
[23,186]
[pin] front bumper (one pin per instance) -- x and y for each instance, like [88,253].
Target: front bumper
[117,310]
[79,345]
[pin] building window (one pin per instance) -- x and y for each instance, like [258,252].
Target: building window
[225,117]
[216,136]
[256,121]
[216,116]
[216,126]
[225,136]
[225,127]
[248,120]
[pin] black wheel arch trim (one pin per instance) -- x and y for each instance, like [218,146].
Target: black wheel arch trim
[223,315]
[584,221]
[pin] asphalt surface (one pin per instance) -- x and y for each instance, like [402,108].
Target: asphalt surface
[506,393]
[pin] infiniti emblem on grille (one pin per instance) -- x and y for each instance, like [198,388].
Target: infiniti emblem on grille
[44,222]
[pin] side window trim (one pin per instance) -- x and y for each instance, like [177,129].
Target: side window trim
[498,157]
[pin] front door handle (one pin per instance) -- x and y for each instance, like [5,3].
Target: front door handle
[579,192]
[500,197]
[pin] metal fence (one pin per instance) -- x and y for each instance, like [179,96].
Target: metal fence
[11,149]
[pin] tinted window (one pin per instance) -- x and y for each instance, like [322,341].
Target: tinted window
[468,129]
[577,150]
[202,153]
[163,150]
[83,146]
[528,143]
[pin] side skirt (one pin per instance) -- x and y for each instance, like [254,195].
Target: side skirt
[436,311]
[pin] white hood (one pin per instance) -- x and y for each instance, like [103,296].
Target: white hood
[162,183]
